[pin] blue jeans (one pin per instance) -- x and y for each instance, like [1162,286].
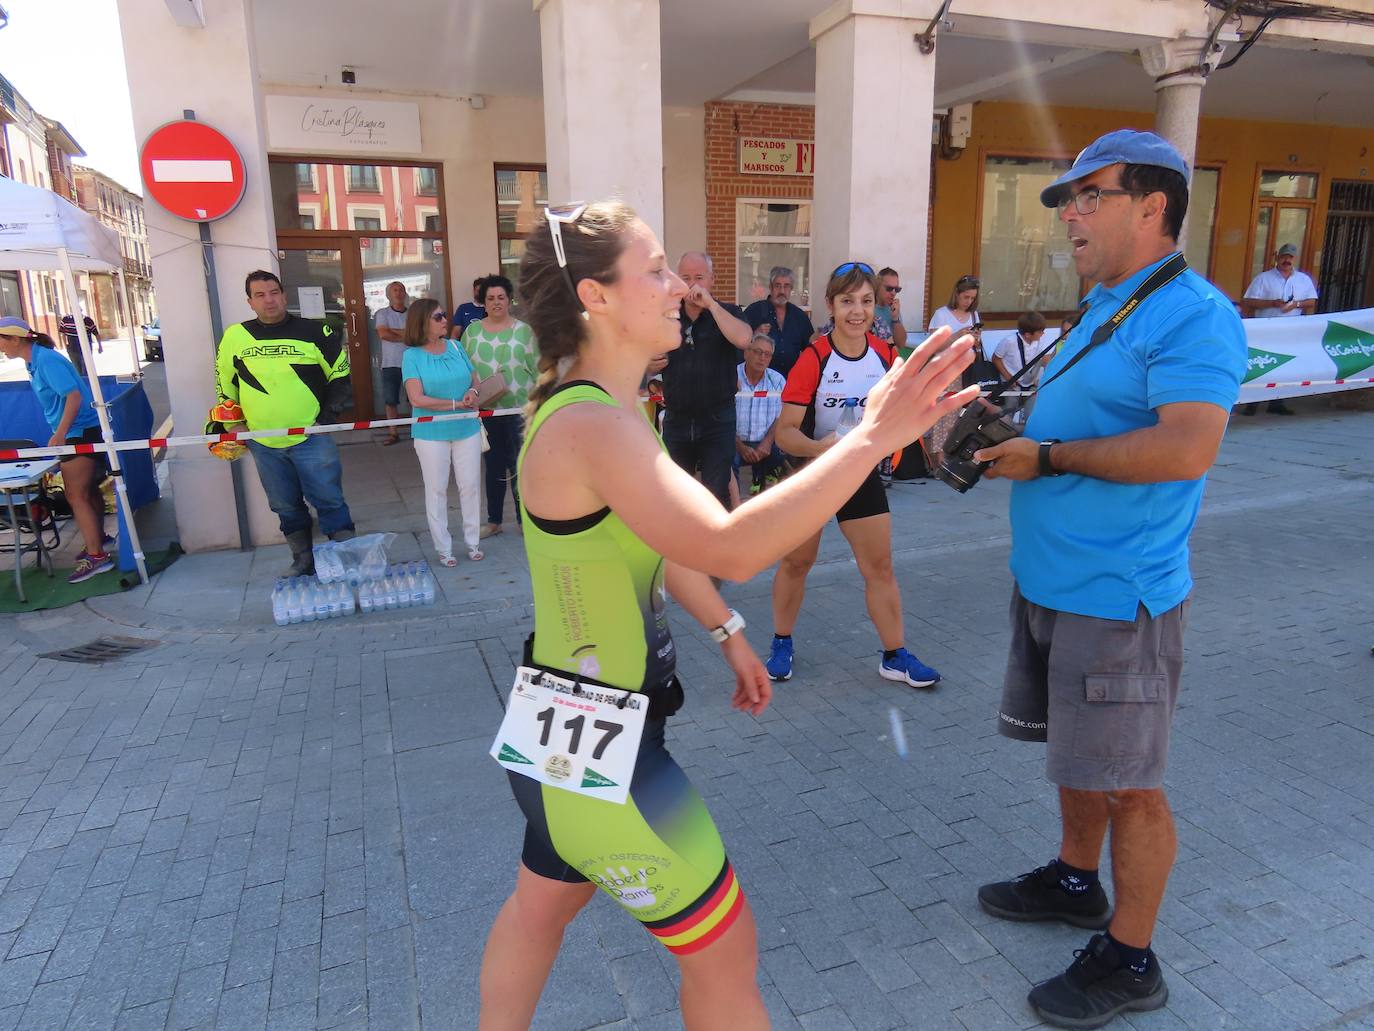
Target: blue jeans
[504,434]
[771,463]
[308,471]
[704,443]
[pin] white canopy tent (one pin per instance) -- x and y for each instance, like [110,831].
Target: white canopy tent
[41,231]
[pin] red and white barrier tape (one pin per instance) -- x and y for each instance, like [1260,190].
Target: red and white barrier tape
[10,455]
[13,454]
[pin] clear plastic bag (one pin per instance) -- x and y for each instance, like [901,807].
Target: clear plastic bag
[352,561]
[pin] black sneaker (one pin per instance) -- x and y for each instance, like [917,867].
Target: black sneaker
[1096,987]
[1038,896]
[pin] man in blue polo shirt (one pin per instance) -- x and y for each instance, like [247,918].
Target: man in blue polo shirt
[1109,479]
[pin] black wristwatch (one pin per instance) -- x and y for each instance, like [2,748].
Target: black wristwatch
[1046,469]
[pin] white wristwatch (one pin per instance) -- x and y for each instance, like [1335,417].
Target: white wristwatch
[733,625]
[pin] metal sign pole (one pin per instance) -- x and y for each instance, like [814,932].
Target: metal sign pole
[207,255]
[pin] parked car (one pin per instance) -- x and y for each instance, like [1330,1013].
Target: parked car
[152,341]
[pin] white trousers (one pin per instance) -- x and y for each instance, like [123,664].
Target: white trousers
[464,457]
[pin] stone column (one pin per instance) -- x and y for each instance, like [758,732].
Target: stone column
[875,94]
[603,106]
[212,71]
[1179,68]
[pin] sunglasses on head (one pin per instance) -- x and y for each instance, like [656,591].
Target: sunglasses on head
[850,266]
[558,216]
[967,283]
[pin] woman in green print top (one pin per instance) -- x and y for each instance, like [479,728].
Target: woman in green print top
[502,343]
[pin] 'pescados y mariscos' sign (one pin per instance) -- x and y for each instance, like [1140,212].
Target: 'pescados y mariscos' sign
[348,125]
[764,155]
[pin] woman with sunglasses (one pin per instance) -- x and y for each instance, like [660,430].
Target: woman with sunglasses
[611,524]
[827,388]
[439,377]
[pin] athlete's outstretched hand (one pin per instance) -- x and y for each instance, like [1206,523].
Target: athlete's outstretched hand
[906,402]
[753,689]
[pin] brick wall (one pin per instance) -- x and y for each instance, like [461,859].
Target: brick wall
[726,121]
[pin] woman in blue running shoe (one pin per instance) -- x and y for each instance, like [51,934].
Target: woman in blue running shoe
[826,396]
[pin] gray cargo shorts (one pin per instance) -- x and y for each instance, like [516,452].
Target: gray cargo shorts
[1100,693]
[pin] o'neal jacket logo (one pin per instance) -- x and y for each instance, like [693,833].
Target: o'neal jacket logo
[1261,363]
[1350,349]
[272,351]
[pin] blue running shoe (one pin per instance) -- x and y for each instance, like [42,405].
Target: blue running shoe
[779,664]
[903,666]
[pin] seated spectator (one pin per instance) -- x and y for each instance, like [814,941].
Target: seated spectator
[756,418]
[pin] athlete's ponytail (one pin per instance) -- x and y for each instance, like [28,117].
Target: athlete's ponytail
[591,246]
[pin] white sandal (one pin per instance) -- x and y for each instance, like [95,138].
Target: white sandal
[447,561]
[475,553]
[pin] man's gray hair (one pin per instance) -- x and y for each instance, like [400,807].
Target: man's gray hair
[710,265]
[781,272]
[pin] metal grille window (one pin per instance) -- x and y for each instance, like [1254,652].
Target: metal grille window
[1347,272]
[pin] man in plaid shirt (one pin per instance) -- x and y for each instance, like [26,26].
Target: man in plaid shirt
[756,418]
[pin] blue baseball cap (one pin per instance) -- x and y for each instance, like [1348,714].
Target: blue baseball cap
[1119,147]
[13,327]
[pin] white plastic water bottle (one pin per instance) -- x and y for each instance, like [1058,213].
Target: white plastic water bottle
[346,605]
[365,595]
[307,601]
[333,604]
[293,602]
[389,589]
[850,416]
[279,615]
[426,583]
[404,593]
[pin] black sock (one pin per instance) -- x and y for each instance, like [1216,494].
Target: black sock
[1138,960]
[782,637]
[890,653]
[1073,881]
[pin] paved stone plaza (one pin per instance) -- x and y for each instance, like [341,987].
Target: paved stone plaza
[243,827]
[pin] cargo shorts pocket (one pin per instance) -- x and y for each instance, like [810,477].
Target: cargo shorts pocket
[1122,716]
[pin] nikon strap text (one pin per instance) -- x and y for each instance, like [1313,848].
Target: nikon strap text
[1162,276]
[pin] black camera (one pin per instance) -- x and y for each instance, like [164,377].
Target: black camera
[978,426]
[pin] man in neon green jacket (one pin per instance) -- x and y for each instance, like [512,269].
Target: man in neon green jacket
[286,371]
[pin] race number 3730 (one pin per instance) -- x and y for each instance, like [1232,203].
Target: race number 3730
[571,736]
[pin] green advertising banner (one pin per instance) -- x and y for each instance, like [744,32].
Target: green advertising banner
[1316,350]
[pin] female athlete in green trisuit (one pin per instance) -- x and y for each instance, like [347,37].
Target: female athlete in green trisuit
[610,524]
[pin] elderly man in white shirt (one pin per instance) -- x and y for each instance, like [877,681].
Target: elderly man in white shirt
[1279,292]
[756,418]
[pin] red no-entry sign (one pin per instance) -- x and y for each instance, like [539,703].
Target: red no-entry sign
[192,170]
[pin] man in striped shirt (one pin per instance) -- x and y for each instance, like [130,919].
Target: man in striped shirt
[756,418]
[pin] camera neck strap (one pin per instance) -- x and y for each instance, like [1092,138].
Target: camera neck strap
[1160,277]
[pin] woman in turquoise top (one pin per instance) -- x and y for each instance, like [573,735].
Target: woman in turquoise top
[438,377]
[70,414]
